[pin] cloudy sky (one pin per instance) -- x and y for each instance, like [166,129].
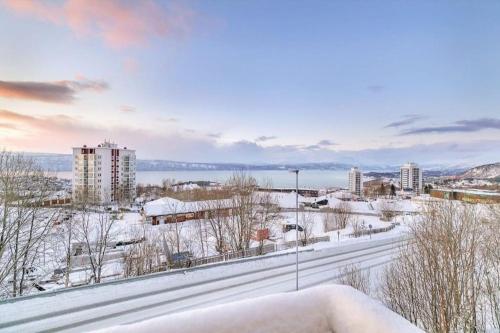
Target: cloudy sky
[254,81]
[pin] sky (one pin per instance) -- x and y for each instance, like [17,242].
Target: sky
[360,82]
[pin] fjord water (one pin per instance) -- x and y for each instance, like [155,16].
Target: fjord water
[307,178]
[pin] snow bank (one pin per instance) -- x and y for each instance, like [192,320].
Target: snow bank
[332,308]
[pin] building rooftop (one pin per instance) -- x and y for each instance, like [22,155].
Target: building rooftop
[169,206]
[105,144]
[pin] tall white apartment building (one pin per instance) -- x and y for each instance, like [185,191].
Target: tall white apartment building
[356,181]
[411,178]
[104,173]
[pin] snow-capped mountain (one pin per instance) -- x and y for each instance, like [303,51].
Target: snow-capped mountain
[486,171]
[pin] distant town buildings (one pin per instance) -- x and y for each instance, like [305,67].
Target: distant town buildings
[467,195]
[411,178]
[104,173]
[356,181]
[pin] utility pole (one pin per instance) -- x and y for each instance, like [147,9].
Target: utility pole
[296,171]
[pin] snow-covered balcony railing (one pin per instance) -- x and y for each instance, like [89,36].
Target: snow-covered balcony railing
[332,308]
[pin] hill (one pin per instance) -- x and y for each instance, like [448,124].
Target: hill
[487,171]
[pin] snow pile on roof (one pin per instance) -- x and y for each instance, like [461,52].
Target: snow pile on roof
[169,206]
[333,308]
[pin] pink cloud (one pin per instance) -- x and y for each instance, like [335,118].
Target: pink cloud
[58,133]
[62,92]
[119,24]
[40,9]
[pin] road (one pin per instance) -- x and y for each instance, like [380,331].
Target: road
[131,300]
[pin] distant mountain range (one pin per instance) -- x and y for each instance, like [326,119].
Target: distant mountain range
[426,173]
[62,162]
[487,171]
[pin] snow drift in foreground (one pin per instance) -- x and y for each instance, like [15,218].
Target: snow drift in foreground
[332,308]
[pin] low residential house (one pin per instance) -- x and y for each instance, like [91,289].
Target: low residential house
[57,199]
[467,195]
[170,210]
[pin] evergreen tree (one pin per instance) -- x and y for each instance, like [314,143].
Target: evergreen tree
[393,190]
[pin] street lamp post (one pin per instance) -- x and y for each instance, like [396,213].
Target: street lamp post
[296,171]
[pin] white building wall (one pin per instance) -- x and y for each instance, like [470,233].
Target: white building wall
[356,181]
[94,173]
[411,177]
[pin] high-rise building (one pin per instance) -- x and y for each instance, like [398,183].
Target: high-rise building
[356,181]
[411,178]
[104,173]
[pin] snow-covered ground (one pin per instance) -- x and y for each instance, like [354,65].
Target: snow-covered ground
[131,225]
[287,201]
[132,300]
[136,299]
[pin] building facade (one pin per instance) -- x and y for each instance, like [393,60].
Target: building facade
[411,178]
[104,174]
[356,181]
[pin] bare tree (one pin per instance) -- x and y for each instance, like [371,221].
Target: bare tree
[201,236]
[342,213]
[24,188]
[64,237]
[167,186]
[438,279]
[307,224]
[144,255]
[95,232]
[357,226]
[354,276]
[329,222]
[491,256]
[175,233]
[189,241]
[216,216]
[268,212]
[243,202]
[388,209]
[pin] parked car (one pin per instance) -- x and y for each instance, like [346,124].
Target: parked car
[289,227]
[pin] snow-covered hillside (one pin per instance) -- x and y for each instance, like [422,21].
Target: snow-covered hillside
[483,171]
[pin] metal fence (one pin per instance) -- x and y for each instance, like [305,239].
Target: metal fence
[365,232]
[302,242]
[255,251]
[252,252]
